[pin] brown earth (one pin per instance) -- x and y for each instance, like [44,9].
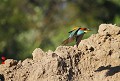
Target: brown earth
[96,59]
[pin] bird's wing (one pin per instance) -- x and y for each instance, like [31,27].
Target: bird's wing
[71,38]
[70,31]
[74,29]
[78,39]
[68,40]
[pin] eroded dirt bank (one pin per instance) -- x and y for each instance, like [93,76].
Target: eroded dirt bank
[96,59]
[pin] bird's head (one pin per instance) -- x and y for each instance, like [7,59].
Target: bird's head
[85,30]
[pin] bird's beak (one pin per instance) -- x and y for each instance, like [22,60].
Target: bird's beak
[87,31]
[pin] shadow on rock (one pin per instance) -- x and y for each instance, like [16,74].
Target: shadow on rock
[111,70]
[2,77]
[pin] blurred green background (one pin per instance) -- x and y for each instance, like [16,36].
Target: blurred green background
[29,24]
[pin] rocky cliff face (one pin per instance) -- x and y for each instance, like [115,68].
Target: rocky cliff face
[96,59]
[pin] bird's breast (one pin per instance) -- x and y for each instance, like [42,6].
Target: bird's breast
[80,32]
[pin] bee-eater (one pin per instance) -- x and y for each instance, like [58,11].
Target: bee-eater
[77,34]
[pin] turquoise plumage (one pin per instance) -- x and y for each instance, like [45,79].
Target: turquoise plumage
[72,33]
[80,32]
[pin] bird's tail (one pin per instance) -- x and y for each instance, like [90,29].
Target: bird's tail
[68,40]
[65,41]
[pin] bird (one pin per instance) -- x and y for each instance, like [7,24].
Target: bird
[77,33]
[3,59]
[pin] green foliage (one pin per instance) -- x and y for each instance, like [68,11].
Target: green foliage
[29,24]
[117,20]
